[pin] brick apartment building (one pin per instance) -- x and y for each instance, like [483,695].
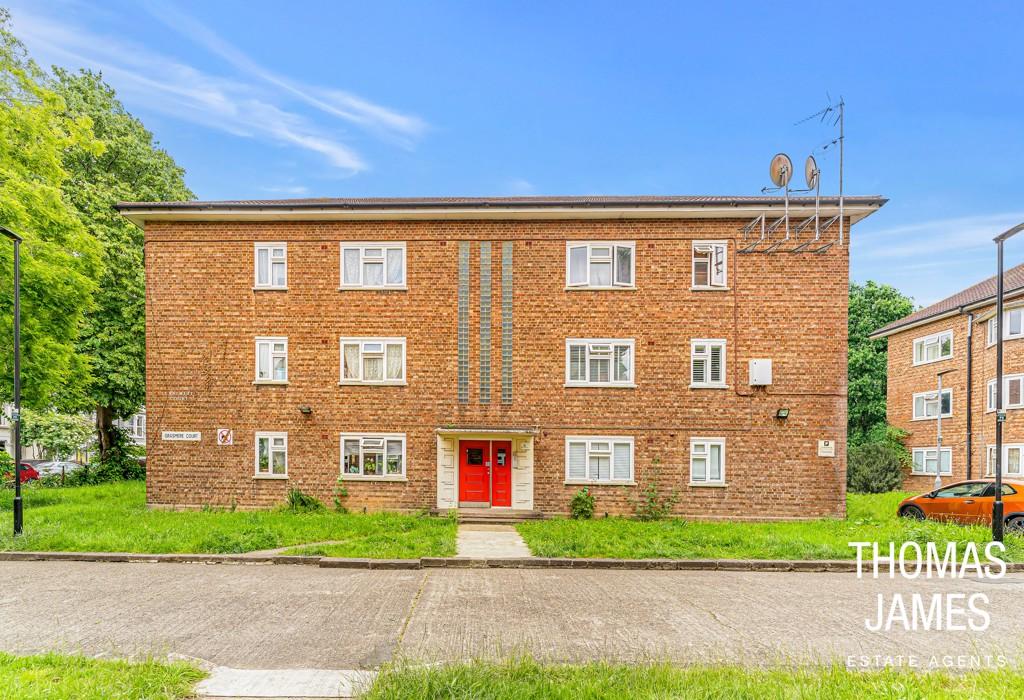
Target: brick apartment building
[501,352]
[958,334]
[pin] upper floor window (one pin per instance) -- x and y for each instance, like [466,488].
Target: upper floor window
[1013,392]
[598,459]
[709,264]
[933,348]
[272,455]
[926,404]
[1013,326]
[372,456]
[924,461]
[600,265]
[373,265]
[707,461]
[707,363]
[271,360]
[591,362]
[271,266]
[373,360]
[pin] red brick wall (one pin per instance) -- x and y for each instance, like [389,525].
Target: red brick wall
[203,315]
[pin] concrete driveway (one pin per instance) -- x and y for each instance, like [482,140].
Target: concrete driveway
[276,617]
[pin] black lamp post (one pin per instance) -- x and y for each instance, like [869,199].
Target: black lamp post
[16,415]
[997,505]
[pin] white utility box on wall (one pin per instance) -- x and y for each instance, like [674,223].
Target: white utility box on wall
[760,372]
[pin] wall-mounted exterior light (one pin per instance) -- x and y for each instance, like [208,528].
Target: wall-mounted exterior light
[306,410]
[782,413]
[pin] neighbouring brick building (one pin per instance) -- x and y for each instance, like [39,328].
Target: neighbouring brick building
[956,336]
[501,352]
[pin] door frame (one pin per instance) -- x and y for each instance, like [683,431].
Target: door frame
[490,475]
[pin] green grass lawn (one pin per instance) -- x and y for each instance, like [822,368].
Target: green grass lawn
[55,677]
[529,680]
[114,518]
[870,518]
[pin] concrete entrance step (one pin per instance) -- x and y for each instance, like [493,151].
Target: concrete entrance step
[489,515]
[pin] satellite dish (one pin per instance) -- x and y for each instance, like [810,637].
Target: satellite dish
[811,172]
[781,169]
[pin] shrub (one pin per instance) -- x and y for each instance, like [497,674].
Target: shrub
[651,504]
[340,496]
[298,502]
[582,505]
[123,463]
[875,467]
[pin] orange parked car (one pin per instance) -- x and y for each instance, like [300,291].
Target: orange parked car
[969,503]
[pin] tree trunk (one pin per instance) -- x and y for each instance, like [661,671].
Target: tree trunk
[104,430]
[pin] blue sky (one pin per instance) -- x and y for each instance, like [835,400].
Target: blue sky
[264,99]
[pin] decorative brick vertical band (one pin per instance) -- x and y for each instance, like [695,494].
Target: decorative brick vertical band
[506,322]
[485,322]
[463,360]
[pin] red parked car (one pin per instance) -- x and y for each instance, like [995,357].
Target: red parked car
[28,473]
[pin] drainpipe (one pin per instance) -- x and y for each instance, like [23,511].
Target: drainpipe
[970,382]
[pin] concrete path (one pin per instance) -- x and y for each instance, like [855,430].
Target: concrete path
[227,683]
[300,617]
[490,542]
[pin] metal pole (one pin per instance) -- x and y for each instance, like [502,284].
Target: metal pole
[997,504]
[938,431]
[842,111]
[16,415]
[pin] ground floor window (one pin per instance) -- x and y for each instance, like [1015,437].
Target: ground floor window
[707,460]
[1013,458]
[372,455]
[924,461]
[272,454]
[599,459]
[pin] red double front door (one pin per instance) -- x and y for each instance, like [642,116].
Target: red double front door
[485,473]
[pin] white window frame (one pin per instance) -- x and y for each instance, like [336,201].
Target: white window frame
[594,448]
[271,340]
[990,453]
[271,259]
[913,409]
[137,425]
[614,260]
[595,345]
[926,454]
[933,339]
[363,342]
[362,247]
[716,280]
[365,442]
[270,436]
[990,393]
[1007,335]
[706,357]
[706,443]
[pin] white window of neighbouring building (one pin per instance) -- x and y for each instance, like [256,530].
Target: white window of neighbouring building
[373,360]
[597,362]
[924,460]
[707,363]
[926,405]
[707,461]
[372,456]
[272,455]
[1013,459]
[1013,392]
[709,264]
[1013,326]
[600,265]
[271,266]
[373,265]
[598,459]
[271,360]
[933,348]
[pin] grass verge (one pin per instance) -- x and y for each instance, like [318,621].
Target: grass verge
[528,680]
[114,518]
[870,518]
[56,677]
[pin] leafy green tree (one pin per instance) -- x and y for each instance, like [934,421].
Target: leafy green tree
[59,435]
[60,260]
[872,306]
[131,167]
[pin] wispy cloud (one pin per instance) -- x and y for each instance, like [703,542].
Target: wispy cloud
[237,105]
[290,190]
[519,186]
[940,236]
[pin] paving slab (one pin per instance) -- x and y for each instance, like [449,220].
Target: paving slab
[486,541]
[224,682]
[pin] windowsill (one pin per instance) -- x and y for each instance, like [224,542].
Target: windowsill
[361,288]
[270,382]
[615,288]
[709,289]
[913,420]
[709,386]
[708,484]
[609,482]
[931,362]
[581,385]
[270,476]
[361,477]
[359,383]
[1005,340]
[932,474]
[270,289]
